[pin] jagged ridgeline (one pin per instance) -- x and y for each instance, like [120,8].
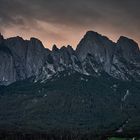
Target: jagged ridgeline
[21,59]
[92,92]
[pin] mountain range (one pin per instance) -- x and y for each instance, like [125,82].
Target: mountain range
[90,92]
[21,59]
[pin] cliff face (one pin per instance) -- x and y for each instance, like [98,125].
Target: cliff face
[21,59]
[7,70]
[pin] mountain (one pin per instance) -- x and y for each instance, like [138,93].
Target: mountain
[21,59]
[90,92]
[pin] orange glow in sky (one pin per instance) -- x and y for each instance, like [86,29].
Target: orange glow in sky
[51,34]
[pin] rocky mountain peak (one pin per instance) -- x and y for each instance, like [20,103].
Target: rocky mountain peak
[35,40]
[1,38]
[70,49]
[63,48]
[97,45]
[54,48]
[17,45]
[128,48]
[15,39]
[91,34]
[36,43]
[127,42]
[15,42]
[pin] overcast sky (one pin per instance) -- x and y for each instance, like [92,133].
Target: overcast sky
[64,22]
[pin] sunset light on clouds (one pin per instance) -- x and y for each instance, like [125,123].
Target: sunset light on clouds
[65,22]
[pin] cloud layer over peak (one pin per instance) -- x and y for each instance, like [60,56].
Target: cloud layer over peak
[64,22]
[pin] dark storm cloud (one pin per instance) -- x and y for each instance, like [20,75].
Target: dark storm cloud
[54,11]
[69,11]
[116,14]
